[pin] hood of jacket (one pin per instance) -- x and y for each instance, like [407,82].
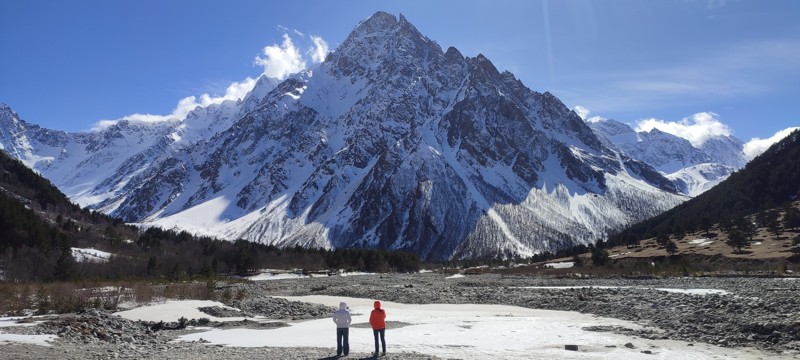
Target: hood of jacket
[377,304]
[342,305]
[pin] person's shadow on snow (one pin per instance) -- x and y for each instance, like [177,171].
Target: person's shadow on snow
[351,357]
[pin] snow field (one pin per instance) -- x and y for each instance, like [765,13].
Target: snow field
[463,331]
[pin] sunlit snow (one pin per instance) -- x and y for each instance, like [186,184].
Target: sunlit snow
[701,242]
[560,265]
[90,255]
[43,340]
[461,331]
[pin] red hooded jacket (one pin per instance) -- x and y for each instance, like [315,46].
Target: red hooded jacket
[378,317]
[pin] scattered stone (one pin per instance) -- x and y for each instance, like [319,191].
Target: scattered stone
[746,316]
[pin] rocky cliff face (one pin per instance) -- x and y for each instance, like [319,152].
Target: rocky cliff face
[392,143]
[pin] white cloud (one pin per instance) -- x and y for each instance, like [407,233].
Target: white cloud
[235,91]
[581,111]
[757,146]
[319,50]
[697,128]
[280,61]
[584,114]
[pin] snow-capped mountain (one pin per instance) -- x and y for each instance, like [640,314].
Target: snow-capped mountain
[693,169]
[92,167]
[391,143]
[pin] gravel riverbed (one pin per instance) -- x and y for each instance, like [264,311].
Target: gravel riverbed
[763,313]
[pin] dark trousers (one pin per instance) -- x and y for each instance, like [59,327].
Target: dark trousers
[375,333]
[342,341]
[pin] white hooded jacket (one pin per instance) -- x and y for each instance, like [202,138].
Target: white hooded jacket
[342,316]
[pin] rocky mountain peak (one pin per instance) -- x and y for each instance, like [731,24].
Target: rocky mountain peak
[383,37]
[378,21]
[485,67]
[453,55]
[390,143]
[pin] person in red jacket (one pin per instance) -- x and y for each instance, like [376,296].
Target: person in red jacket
[378,321]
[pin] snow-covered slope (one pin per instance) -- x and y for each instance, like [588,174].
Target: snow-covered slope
[93,167]
[392,143]
[693,169]
[695,180]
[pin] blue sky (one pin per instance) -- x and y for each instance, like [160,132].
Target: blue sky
[693,66]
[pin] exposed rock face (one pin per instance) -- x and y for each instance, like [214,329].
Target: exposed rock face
[390,143]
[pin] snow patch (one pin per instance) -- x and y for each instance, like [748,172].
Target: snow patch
[701,242]
[41,340]
[173,310]
[90,255]
[560,265]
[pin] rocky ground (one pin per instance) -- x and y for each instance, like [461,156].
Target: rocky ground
[755,312]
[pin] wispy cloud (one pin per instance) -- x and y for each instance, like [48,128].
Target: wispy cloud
[697,128]
[584,114]
[319,49]
[712,4]
[757,146]
[278,61]
[744,69]
[235,91]
[581,111]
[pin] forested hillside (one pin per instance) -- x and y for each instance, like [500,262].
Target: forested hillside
[769,181]
[39,228]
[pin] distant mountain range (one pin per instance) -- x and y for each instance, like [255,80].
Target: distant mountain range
[391,143]
[693,169]
[770,181]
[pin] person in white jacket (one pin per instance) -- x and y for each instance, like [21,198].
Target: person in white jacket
[342,319]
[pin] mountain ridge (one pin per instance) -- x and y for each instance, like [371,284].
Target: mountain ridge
[390,143]
[693,169]
[767,182]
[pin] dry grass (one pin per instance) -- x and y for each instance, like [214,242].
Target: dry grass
[45,298]
[764,246]
[699,254]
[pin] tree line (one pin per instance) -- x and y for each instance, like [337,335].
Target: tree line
[39,227]
[769,181]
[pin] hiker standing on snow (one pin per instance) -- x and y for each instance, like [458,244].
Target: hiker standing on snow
[378,321]
[342,319]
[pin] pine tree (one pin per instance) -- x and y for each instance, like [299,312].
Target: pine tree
[671,247]
[774,224]
[791,218]
[746,227]
[65,265]
[577,261]
[705,224]
[662,239]
[737,239]
[599,256]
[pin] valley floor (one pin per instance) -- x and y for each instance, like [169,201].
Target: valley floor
[435,316]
